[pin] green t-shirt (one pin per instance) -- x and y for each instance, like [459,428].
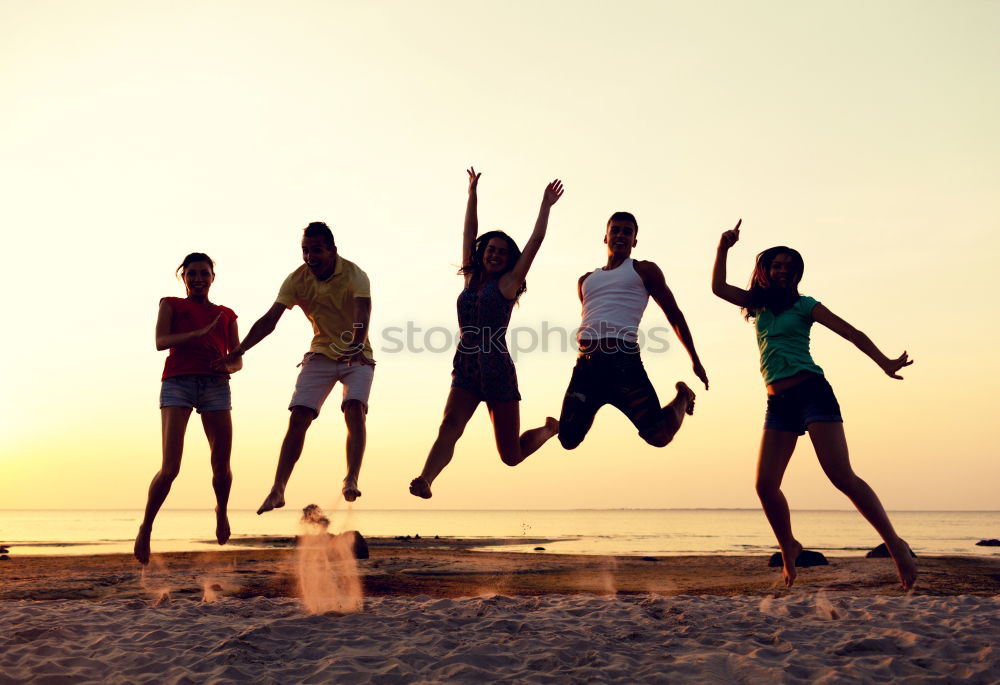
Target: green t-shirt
[784,340]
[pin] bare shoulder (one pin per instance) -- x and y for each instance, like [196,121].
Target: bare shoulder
[648,271]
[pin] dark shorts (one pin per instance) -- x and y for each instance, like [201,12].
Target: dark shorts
[200,392]
[810,401]
[489,375]
[616,377]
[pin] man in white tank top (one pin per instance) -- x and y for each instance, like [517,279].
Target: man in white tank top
[609,370]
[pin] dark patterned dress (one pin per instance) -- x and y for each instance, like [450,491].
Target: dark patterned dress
[482,364]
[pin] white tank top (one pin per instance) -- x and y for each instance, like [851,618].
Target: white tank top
[613,303]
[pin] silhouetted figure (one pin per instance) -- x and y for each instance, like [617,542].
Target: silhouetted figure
[197,332]
[495,271]
[799,398]
[335,296]
[609,369]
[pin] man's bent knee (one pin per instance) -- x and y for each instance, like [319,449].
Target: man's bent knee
[568,441]
[660,438]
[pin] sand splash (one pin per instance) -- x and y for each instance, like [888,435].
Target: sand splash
[328,578]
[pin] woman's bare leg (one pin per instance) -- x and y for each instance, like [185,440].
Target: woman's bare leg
[512,446]
[173,423]
[776,449]
[459,408]
[831,448]
[219,431]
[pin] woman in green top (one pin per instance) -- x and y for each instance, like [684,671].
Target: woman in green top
[799,397]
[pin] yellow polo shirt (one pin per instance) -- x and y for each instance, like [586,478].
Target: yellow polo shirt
[329,305]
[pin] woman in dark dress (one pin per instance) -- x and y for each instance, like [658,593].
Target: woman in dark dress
[494,270]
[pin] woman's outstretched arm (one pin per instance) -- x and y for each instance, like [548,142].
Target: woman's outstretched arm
[845,330]
[471,228]
[729,293]
[511,281]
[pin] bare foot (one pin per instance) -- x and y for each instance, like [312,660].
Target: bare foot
[222,531]
[350,489]
[275,500]
[683,389]
[905,566]
[420,487]
[552,425]
[141,550]
[788,558]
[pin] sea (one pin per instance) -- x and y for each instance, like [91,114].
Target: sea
[606,532]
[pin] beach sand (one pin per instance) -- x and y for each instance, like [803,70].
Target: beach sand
[436,611]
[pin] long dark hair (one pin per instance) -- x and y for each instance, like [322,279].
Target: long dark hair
[763,293]
[476,268]
[191,259]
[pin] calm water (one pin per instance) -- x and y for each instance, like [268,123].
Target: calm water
[618,532]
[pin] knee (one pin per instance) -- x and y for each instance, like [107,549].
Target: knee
[301,419]
[354,411]
[169,472]
[766,488]
[658,439]
[511,457]
[569,441]
[847,484]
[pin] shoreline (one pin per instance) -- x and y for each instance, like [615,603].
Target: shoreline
[453,568]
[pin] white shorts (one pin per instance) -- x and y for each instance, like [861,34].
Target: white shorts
[320,373]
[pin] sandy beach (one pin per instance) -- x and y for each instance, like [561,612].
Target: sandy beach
[437,611]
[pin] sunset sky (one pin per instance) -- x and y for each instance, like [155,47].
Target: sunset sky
[863,134]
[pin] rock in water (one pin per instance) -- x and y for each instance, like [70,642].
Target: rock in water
[882,552]
[806,557]
[988,543]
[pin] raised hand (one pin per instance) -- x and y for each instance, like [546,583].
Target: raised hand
[473,179]
[892,366]
[205,329]
[553,192]
[730,237]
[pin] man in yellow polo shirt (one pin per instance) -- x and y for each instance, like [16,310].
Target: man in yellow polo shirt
[335,296]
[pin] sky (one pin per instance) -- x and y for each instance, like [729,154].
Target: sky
[862,134]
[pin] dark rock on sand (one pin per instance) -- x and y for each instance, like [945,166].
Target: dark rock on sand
[806,558]
[4,557]
[993,542]
[649,558]
[539,549]
[881,552]
[360,544]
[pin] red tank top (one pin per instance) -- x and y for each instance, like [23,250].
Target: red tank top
[194,356]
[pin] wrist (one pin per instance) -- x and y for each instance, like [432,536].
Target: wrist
[239,350]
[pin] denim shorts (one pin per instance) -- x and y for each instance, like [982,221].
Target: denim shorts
[201,392]
[810,401]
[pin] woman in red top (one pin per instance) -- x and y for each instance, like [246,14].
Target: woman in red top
[197,333]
